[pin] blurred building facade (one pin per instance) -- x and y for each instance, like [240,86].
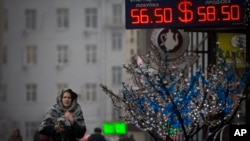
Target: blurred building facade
[1,36]
[49,45]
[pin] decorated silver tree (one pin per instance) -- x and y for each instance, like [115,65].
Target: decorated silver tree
[165,101]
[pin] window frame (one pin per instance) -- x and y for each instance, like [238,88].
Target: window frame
[31,92]
[91,18]
[30,19]
[62,20]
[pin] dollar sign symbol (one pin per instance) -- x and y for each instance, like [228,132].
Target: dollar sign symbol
[187,13]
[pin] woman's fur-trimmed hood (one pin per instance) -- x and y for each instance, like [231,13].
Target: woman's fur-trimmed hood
[74,97]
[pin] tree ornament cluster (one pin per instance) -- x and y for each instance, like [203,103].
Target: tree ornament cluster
[165,100]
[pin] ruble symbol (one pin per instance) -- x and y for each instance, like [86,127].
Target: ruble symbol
[187,13]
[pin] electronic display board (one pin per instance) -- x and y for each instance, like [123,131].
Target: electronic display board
[184,13]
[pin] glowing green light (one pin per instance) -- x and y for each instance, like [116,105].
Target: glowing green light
[114,128]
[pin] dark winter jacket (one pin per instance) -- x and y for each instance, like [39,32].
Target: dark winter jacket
[96,137]
[56,114]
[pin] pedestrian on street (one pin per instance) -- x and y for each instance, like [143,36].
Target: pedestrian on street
[64,121]
[15,135]
[97,135]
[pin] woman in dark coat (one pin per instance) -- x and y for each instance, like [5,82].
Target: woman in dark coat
[64,121]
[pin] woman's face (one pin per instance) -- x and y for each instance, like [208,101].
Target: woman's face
[66,100]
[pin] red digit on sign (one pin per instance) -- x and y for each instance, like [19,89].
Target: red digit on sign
[168,15]
[144,17]
[211,14]
[225,11]
[235,12]
[135,16]
[158,15]
[202,14]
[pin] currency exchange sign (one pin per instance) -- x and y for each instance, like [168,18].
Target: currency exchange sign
[185,13]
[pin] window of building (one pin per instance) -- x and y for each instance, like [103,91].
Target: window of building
[31,92]
[63,18]
[132,52]
[30,54]
[62,86]
[3,92]
[91,54]
[4,54]
[5,19]
[132,40]
[30,21]
[116,75]
[91,17]
[91,94]
[116,41]
[62,54]
[117,13]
